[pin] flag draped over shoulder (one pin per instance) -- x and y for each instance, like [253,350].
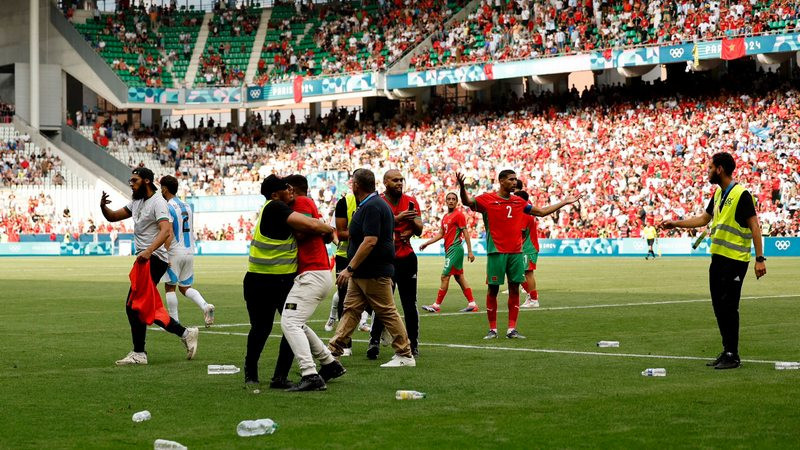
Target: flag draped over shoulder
[144,297]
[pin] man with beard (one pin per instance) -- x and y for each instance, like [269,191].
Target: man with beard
[734,229]
[407,223]
[454,227]
[150,232]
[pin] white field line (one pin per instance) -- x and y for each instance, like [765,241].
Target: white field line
[552,308]
[535,350]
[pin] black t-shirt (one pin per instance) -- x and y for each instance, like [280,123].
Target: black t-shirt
[273,220]
[341,209]
[373,218]
[744,210]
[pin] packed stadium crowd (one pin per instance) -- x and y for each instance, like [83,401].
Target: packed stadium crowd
[636,154]
[521,29]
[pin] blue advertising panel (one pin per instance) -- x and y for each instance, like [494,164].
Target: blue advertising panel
[676,53]
[313,87]
[153,95]
[214,95]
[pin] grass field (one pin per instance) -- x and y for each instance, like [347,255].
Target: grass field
[63,326]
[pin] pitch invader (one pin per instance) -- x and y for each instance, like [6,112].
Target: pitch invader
[503,215]
[181,254]
[454,227]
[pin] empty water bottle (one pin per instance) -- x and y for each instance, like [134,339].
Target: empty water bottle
[608,344]
[409,395]
[256,427]
[658,372]
[163,444]
[787,365]
[224,369]
[141,416]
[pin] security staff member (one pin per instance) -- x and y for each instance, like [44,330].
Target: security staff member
[734,227]
[271,269]
[650,234]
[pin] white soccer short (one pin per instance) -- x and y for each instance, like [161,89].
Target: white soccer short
[180,270]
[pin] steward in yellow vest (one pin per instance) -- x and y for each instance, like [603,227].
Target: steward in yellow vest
[734,229]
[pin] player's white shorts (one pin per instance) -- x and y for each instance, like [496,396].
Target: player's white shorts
[180,270]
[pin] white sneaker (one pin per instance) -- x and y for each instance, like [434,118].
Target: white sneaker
[208,315]
[386,338]
[364,326]
[330,323]
[347,352]
[133,358]
[530,303]
[401,361]
[190,342]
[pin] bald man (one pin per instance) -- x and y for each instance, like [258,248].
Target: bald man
[407,223]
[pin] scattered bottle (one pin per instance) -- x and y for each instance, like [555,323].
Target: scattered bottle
[658,372]
[787,365]
[409,395]
[256,427]
[225,369]
[608,344]
[141,416]
[163,444]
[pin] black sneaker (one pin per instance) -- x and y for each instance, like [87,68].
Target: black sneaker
[332,370]
[728,361]
[280,383]
[373,350]
[514,334]
[309,383]
[714,362]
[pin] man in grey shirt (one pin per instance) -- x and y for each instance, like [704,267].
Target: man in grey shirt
[151,230]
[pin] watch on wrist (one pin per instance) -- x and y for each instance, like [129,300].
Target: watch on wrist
[350,269]
[760,259]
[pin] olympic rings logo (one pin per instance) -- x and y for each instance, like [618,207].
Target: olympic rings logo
[255,93]
[676,52]
[782,245]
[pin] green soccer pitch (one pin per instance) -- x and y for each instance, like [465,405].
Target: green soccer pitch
[64,325]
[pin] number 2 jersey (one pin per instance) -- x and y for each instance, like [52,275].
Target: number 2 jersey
[181,216]
[504,219]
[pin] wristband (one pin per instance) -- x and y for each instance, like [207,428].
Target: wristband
[760,259]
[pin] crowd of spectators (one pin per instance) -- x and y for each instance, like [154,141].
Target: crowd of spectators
[521,29]
[19,166]
[636,154]
[6,112]
[351,36]
[227,53]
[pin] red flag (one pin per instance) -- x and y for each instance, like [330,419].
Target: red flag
[144,296]
[298,89]
[488,69]
[732,48]
[607,54]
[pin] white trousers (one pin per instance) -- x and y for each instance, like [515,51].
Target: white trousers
[309,289]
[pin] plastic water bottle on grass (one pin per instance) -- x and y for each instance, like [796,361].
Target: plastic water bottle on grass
[658,372]
[224,369]
[163,444]
[141,416]
[409,395]
[258,427]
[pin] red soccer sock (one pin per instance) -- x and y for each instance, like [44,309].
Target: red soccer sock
[513,308]
[491,311]
[440,296]
[524,286]
[534,294]
[468,294]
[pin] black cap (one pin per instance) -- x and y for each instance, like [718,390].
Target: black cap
[273,183]
[144,173]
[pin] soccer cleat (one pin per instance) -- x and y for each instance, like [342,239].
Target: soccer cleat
[330,323]
[190,342]
[716,361]
[491,335]
[530,303]
[415,352]
[133,358]
[347,352]
[400,361]
[514,334]
[364,326]
[373,350]
[728,361]
[208,315]
[280,383]
[434,308]
[312,382]
[470,309]
[332,370]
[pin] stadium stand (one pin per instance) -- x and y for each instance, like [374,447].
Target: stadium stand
[227,52]
[145,47]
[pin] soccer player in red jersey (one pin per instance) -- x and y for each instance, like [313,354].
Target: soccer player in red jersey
[503,216]
[407,223]
[454,227]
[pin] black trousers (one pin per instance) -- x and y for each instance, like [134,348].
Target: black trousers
[264,295]
[139,328]
[725,278]
[405,281]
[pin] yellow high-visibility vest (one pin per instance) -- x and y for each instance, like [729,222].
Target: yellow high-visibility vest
[341,250]
[271,256]
[728,238]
